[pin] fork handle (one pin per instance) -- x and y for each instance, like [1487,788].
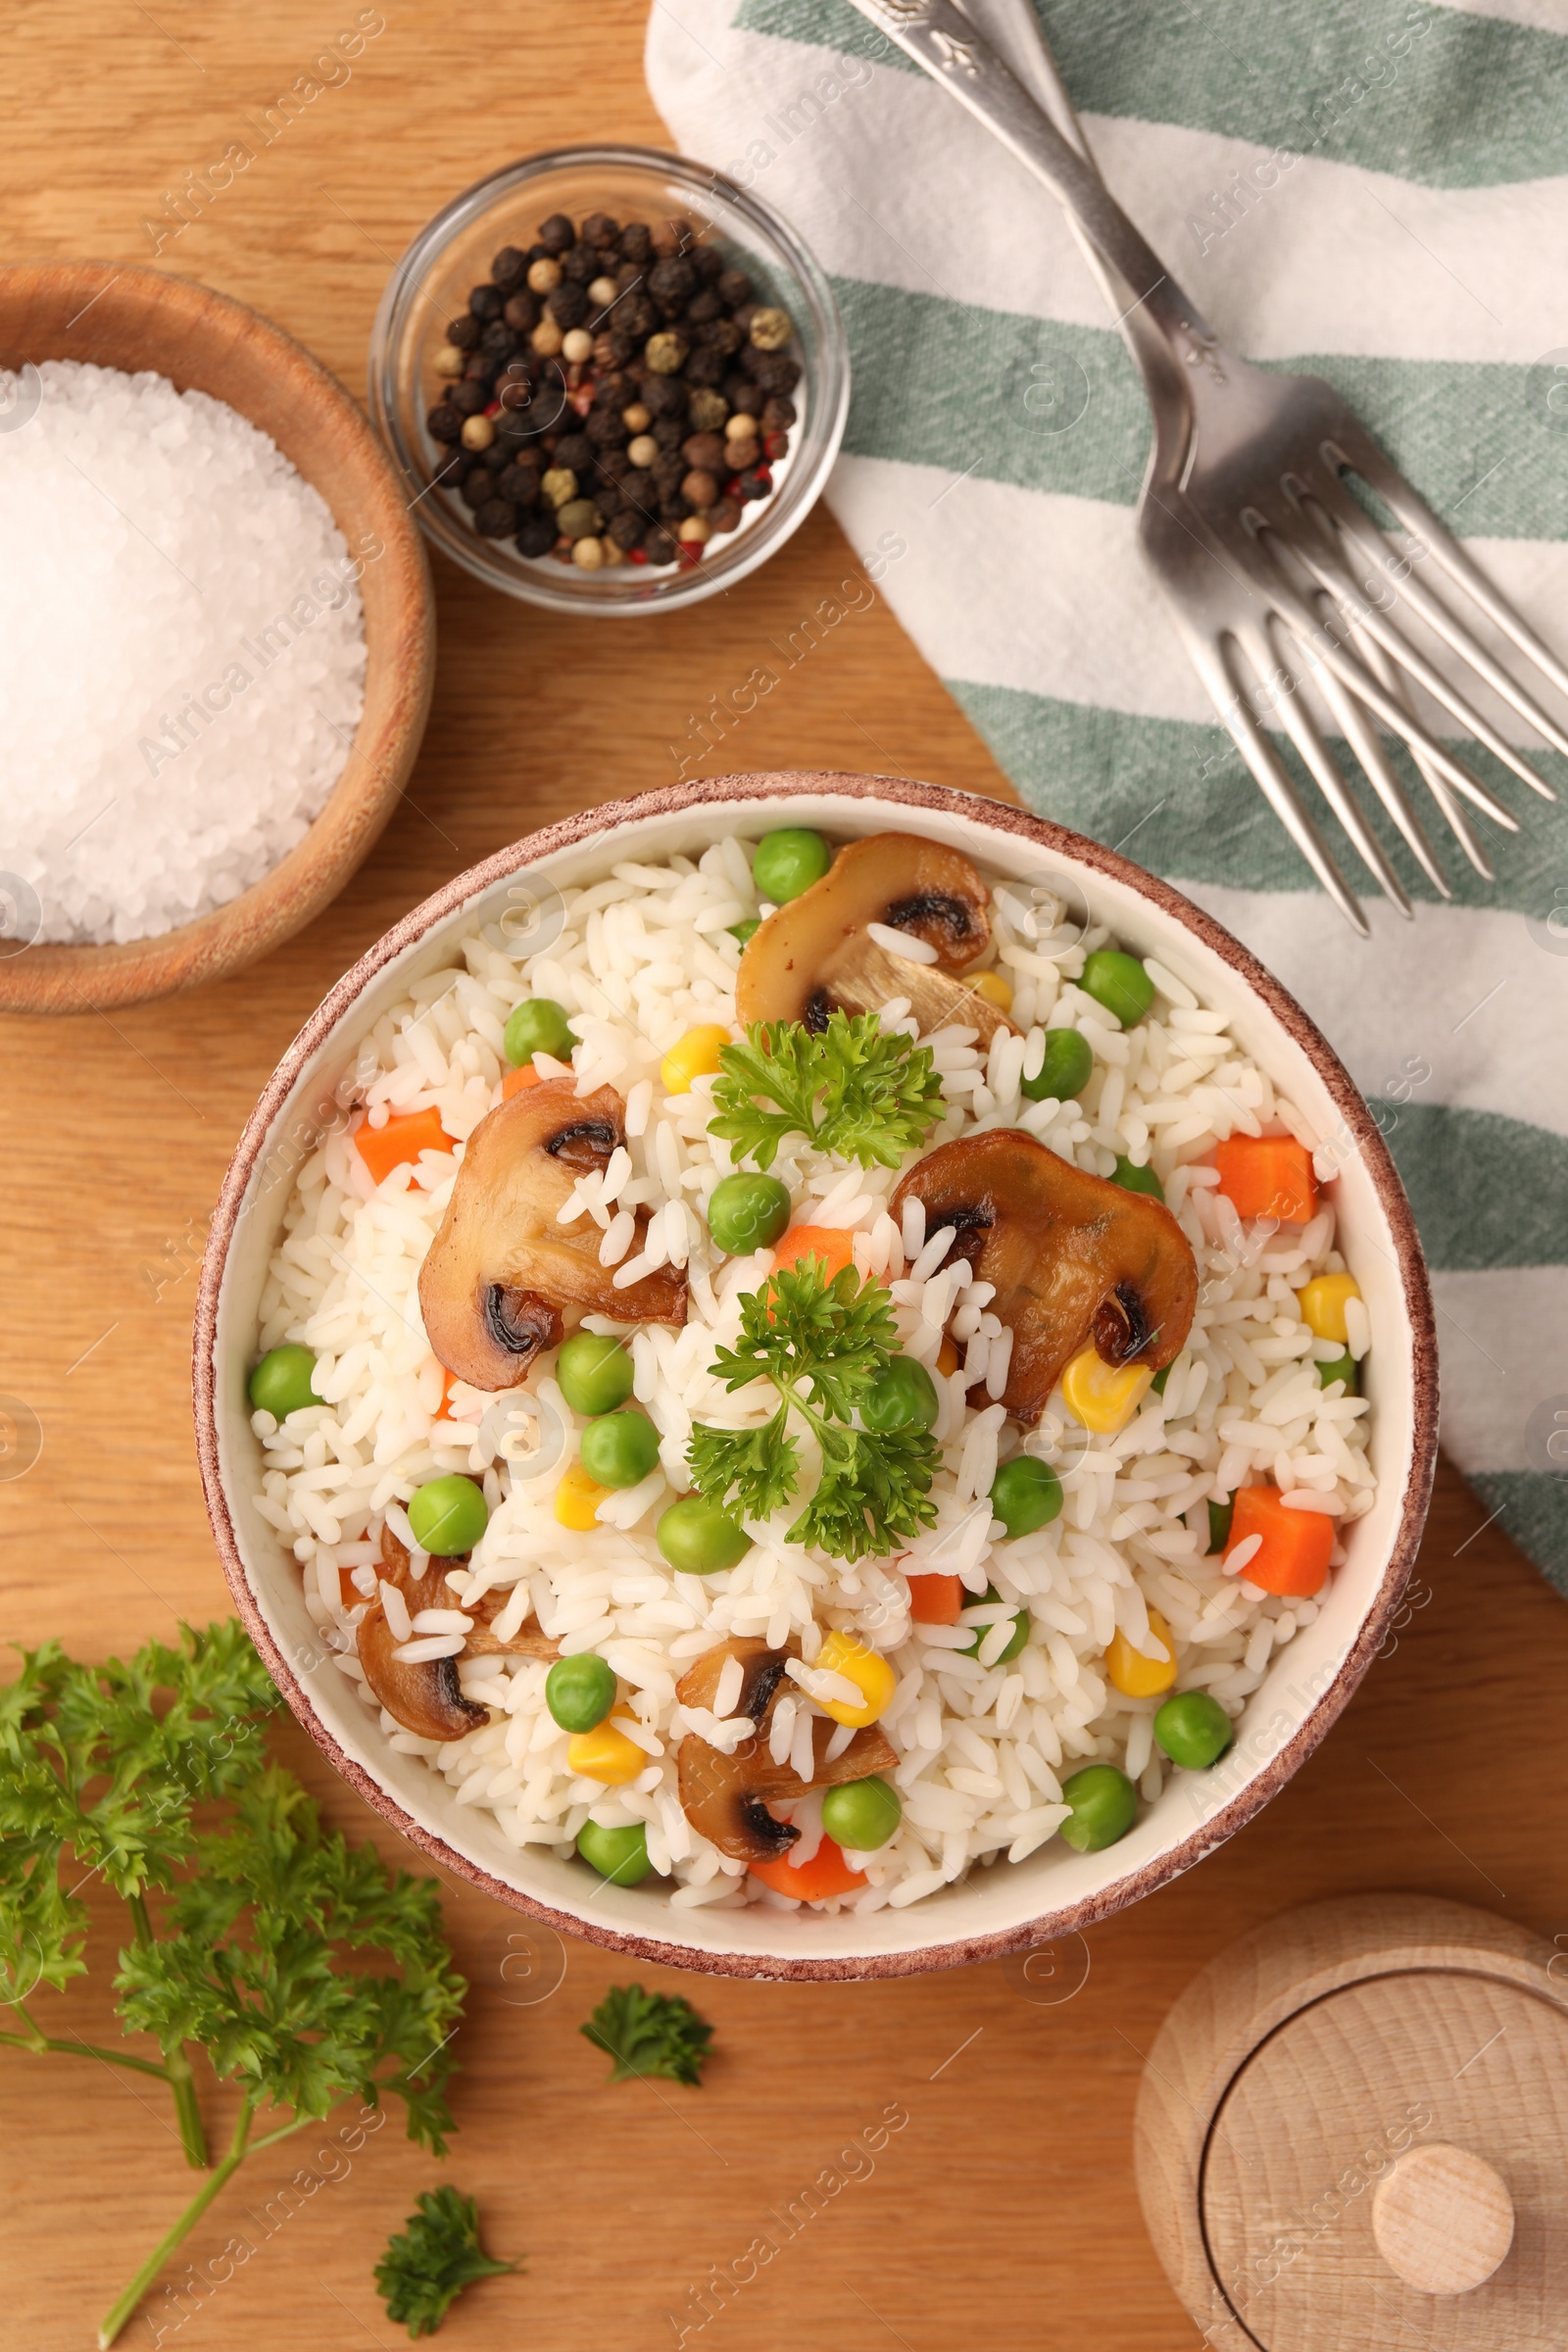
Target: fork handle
[942,42]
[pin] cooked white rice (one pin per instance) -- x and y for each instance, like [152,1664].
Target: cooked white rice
[645,955]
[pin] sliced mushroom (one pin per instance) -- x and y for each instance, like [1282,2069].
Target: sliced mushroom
[727,1798]
[428,1699]
[504,1279]
[815,955]
[1073,1257]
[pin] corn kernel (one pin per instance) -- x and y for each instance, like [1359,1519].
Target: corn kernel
[1322,1304]
[696,1056]
[605,1754]
[995,989]
[847,1654]
[1103,1397]
[1136,1675]
[578,1498]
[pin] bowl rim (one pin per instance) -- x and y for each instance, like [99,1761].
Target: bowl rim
[64,976]
[826,416]
[1003,818]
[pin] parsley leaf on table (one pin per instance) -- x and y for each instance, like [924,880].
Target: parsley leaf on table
[650,2033]
[424,2272]
[849,1089]
[823,1345]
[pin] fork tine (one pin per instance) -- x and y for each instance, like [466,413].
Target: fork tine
[1302,728]
[1367,744]
[1436,782]
[1361,454]
[1360,680]
[1356,524]
[1224,690]
[1329,572]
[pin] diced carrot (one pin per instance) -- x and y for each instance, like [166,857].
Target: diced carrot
[936,1599]
[515,1080]
[1294,1557]
[948,1359]
[348,1590]
[827,1872]
[383,1148]
[829,1242]
[1267,1176]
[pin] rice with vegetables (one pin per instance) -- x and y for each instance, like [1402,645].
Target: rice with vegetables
[819,1375]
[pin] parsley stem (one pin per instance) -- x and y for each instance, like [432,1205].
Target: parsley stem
[177,2063]
[40,2043]
[239,2148]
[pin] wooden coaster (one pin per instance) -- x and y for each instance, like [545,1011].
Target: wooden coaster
[1350,2136]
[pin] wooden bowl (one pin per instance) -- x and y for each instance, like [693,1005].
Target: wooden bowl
[131,318]
[1055,1891]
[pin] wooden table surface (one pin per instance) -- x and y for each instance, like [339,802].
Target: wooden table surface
[1002,2215]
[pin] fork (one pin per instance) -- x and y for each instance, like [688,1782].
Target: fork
[1269,563]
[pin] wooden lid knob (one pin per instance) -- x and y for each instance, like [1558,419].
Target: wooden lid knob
[1443,2219]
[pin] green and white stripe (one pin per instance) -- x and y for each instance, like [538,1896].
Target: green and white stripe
[1375,191]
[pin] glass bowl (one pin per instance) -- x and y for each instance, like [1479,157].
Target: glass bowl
[430,285]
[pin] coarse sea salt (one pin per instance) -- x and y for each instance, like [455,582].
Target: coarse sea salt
[181,653]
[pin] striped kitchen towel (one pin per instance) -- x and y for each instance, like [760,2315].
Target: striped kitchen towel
[1375,191]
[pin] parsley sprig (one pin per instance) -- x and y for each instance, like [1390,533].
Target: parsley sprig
[823,1345]
[650,2033]
[849,1089]
[240,1926]
[423,2270]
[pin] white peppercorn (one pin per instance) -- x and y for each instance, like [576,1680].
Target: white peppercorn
[544,277]
[771,329]
[636,419]
[577,345]
[559,486]
[546,339]
[588,555]
[477,432]
[450,361]
[603,291]
[643,450]
[667,351]
[695,530]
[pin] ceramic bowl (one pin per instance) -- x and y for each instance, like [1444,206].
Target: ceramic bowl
[119,317]
[1006,1907]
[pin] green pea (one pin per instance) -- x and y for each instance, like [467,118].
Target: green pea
[748,1213]
[618,1855]
[746,930]
[1118,982]
[280,1384]
[1067,1070]
[788,863]
[1193,1729]
[538,1025]
[1341,1367]
[861,1814]
[905,1398]
[580,1692]
[1157,1387]
[449,1515]
[1219,1523]
[594,1371]
[1137,1180]
[1015,1639]
[1105,1807]
[700,1539]
[1025,1493]
[620,1449]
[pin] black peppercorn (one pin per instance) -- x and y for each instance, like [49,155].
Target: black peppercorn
[604,427]
[708,262]
[665,473]
[627,527]
[673,283]
[672,511]
[567,304]
[779,373]
[704,306]
[522,312]
[536,535]
[638,490]
[754,486]
[707,369]
[556,234]
[600,229]
[497,518]
[635,241]
[722,335]
[444,422]
[778,415]
[658,545]
[517,481]
[613,350]
[464,332]
[743,395]
[668,432]
[611,391]
[636,314]
[575,449]
[607,499]
[665,396]
[481,368]
[478,486]
[468,399]
[509,268]
[498,339]
[485,304]
[733,287]
[580,264]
